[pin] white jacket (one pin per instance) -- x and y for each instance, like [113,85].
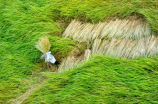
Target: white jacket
[49,57]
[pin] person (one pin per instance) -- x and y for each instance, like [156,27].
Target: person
[49,57]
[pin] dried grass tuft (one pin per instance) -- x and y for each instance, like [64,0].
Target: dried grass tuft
[96,46]
[126,48]
[73,60]
[43,45]
[69,63]
[119,38]
[124,29]
[87,54]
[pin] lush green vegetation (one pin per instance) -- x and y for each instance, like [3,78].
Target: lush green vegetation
[102,80]
[23,22]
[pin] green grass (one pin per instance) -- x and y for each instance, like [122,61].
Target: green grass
[23,22]
[102,80]
[19,33]
[94,11]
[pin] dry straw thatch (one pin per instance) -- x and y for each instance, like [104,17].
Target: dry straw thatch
[126,48]
[122,29]
[119,38]
[69,63]
[43,45]
[72,61]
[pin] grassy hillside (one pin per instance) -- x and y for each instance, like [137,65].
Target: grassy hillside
[102,80]
[22,23]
